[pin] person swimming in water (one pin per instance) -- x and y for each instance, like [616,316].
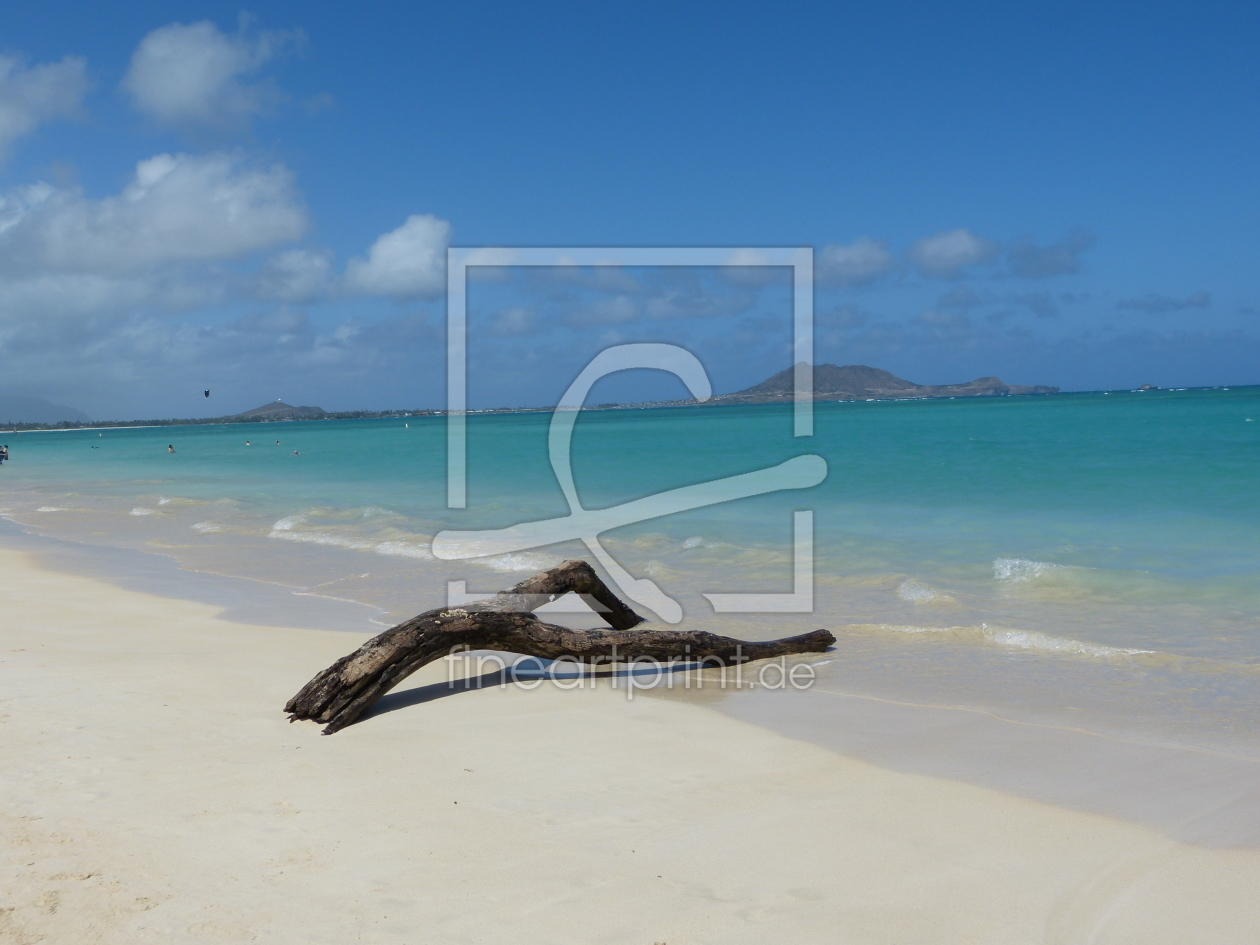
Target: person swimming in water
[247,442]
[296,453]
[4,452]
[170,448]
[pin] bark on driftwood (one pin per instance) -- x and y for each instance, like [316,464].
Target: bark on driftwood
[340,694]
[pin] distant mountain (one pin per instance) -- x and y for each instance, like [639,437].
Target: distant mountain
[14,409]
[276,410]
[859,382]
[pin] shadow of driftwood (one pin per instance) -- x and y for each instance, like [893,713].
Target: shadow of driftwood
[392,702]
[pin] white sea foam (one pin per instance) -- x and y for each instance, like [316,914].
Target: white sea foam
[205,527]
[694,542]
[405,549]
[655,569]
[1045,643]
[51,508]
[163,500]
[516,562]
[288,529]
[141,511]
[917,592]
[323,538]
[1030,640]
[1017,570]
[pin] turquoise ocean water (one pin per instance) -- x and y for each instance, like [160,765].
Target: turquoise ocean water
[1091,559]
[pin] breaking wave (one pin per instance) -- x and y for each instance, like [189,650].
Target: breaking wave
[404,549]
[916,592]
[1033,641]
[518,561]
[895,628]
[1046,643]
[1018,570]
[347,530]
[323,538]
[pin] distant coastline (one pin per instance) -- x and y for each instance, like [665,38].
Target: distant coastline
[204,421]
[853,383]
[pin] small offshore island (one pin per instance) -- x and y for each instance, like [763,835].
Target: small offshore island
[859,382]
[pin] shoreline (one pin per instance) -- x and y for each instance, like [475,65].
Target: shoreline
[1196,795]
[158,795]
[149,572]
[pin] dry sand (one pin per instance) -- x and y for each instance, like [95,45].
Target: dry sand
[153,792]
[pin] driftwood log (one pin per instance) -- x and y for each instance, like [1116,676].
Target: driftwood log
[340,694]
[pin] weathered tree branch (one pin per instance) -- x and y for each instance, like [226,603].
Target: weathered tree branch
[340,694]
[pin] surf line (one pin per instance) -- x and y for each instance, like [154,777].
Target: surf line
[799,472]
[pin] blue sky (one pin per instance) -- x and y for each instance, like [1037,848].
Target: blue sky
[260,204]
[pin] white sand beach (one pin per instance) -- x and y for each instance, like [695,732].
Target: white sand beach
[153,792]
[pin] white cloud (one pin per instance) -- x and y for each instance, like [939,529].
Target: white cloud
[408,261]
[68,297]
[194,75]
[945,255]
[30,97]
[859,263]
[295,275]
[74,267]
[177,208]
